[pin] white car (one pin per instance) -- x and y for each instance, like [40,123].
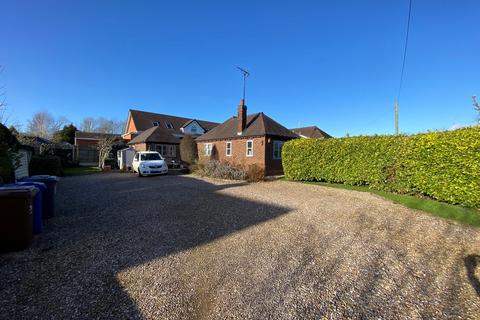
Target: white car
[149,162]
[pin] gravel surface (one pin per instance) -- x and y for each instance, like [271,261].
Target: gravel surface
[181,247]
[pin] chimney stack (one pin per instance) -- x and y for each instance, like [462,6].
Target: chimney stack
[242,117]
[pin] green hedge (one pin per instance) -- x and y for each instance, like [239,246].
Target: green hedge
[43,164]
[442,165]
[8,147]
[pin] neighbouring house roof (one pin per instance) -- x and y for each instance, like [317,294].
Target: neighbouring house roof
[311,132]
[64,145]
[37,139]
[258,124]
[194,120]
[95,135]
[144,120]
[155,135]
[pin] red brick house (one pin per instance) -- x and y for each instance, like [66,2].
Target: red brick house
[245,140]
[92,138]
[148,131]
[312,132]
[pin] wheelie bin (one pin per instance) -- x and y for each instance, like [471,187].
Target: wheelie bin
[16,210]
[49,199]
[38,201]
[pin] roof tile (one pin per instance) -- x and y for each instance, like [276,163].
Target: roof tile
[311,132]
[258,124]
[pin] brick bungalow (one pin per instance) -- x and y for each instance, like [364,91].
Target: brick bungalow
[86,143]
[148,131]
[245,140]
[312,132]
[92,138]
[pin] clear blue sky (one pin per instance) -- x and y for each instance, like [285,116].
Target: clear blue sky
[335,64]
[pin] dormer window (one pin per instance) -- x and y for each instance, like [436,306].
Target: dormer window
[156,123]
[193,129]
[169,125]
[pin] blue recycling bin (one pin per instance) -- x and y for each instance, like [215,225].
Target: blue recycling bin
[49,198]
[38,201]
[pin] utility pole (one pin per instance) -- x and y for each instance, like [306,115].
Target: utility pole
[396,118]
[403,66]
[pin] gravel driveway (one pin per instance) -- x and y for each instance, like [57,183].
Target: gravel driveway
[180,247]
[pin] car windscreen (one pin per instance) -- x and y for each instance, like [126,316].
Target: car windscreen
[150,156]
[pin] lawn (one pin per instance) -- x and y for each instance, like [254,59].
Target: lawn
[78,171]
[461,214]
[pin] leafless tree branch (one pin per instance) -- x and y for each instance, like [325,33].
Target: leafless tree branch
[3,101]
[104,147]
[44,125]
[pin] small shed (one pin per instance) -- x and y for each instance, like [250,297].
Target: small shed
[125,158]
[25,154]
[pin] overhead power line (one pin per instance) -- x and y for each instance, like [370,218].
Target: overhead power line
[403,66]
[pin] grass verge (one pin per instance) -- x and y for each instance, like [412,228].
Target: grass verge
[461,214]
[78,171]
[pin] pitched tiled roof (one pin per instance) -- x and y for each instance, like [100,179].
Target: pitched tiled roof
[95,135]
[144,120]
[190,121]
[311,132]
[258,124]
[155,135]
[39,140]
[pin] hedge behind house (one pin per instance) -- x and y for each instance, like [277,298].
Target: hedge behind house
[45,164]
[442,165]
[8,147]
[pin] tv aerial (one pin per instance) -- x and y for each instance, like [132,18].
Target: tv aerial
[245,74]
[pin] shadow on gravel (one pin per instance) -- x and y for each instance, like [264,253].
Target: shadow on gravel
[472,263]
[101,230]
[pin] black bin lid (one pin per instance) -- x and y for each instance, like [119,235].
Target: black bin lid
[18,191]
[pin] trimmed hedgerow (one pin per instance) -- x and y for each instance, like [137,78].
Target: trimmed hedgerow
[442,165]
[45,164]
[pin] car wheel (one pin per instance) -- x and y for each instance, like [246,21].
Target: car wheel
[139,174]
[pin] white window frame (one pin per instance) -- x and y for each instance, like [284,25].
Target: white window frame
[277,144]
[172,150]
[156,123]
[208,149]
[166,150]
[247,148]
[228,147]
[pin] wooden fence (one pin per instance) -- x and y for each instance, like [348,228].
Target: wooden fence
[86,155]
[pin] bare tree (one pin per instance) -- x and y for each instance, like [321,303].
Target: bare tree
[59,123]
[105,125]
[119,126]
[41,124]
[477,107]
[44,125]
[3,102]
[104,147]
[88,124]
[102,125]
